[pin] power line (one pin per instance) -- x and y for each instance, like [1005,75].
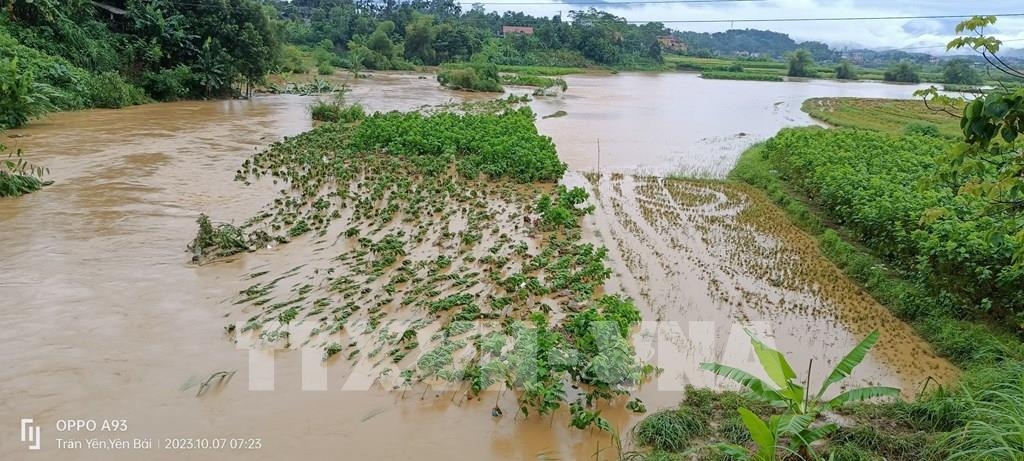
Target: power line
[922,47]
[862,18]
[528,3]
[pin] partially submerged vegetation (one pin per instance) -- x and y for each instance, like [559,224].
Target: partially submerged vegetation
[538,81]
[17,176]
[726,75]
[438,253]
[336,109]
[217,241]
[471,77]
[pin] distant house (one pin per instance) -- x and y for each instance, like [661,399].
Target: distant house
[509,30]
[669,42]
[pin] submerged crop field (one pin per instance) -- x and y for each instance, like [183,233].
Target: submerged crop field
[430,262]
[435,255]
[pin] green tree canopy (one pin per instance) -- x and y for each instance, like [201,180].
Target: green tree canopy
[903,71]
[800,63]
[960,71]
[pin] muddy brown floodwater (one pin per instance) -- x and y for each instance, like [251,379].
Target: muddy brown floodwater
[105,319]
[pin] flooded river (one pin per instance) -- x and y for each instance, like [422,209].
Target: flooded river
[105,319]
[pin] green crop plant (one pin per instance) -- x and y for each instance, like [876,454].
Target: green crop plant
[770,436]
[891,193]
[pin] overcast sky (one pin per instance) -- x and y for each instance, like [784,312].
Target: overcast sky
[923,35]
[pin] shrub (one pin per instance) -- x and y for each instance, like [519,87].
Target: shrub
[324,111]
[534,80]
[845,71]
[562,211]
[729,75]
[18,99]
[109,90]
[476,77]
[670,430]
[922,129]
[324,68]
[169,84]
[903,72]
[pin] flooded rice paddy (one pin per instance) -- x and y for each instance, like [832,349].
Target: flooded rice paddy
[106,319]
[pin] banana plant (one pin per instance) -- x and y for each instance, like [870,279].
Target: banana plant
[769,437]
[784,390]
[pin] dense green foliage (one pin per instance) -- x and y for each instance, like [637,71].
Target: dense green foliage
[800,64]
[393,35]
[336,111]
[471,77]
[78,56]
[534,80]
[876,186]
[751,41]
[960,72]
[724,75]
[903,72]
[991,357]
[845,71]
[504,146]
[989,164]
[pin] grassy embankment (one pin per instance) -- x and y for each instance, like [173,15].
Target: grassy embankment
[858,193]
[885,115]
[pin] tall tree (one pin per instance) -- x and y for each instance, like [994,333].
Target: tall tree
[960,71]
[800,63]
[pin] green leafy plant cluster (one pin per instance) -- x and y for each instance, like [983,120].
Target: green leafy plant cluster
[730,75]
[337,110]
[17,176]
[472,77]
[564,209]
[503,146]
[881,187]
[534,80]
[214,241]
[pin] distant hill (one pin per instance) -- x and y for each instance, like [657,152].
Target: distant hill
[753,42]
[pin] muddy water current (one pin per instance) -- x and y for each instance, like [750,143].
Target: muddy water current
[104,318]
